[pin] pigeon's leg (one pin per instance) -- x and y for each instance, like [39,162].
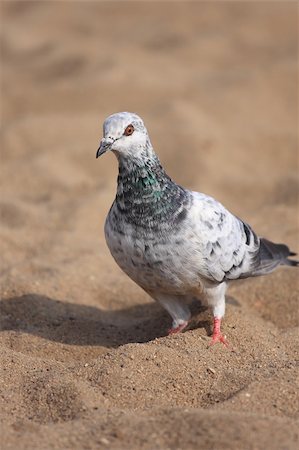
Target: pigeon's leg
[178,310]
[215,297]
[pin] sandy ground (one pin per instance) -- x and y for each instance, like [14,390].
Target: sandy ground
[85,360]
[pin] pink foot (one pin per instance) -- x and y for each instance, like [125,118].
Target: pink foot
[217,335]
[178,329]
[219,338]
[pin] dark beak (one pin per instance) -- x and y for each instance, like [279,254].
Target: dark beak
[101,150]
[104,146]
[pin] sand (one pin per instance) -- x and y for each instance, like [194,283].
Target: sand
[86,362]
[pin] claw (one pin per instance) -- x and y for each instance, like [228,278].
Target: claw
[219,338]
[217,335]
[178,329]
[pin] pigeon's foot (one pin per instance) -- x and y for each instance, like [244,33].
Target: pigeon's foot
[179,328]
[217,335]
[219,338]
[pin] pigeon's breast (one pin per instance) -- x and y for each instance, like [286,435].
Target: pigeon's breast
[164,260]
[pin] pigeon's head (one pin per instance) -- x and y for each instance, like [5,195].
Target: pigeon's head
[125,135]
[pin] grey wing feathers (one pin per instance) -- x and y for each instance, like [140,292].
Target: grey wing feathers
[235,251]
[260,256]
[244,251]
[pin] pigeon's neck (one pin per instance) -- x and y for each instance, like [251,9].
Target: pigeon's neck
[144,179]
[147,197]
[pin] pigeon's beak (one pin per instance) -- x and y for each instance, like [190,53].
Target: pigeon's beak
[104,146]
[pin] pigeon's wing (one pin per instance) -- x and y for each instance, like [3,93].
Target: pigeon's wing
[229,247]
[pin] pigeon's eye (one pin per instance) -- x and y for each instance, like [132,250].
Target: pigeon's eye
[129,130]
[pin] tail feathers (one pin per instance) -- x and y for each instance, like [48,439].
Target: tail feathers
[291,262]
[272,255]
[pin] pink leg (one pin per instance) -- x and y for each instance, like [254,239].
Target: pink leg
[217,335]
[179,328]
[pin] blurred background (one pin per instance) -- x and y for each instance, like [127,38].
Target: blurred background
[216,84]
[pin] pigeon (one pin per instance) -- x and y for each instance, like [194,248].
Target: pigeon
[174,243]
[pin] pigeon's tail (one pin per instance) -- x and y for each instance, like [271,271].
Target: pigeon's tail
[271,255]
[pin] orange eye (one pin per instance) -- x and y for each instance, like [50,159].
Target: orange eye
[129,130]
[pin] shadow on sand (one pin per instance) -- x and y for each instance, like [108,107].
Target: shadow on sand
[75,324]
